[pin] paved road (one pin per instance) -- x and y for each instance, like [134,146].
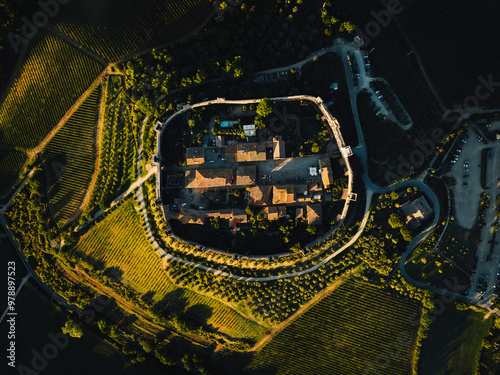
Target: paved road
[4,207]
[360,151]
[138,183]
[140,196]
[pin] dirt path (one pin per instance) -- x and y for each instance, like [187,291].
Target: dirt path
[299,312]
[79,277]
[31,153]
[142,325]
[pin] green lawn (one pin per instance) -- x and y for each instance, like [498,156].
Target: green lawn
[453,345]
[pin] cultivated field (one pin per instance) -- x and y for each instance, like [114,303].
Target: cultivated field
[349,332]
[114,29]
[120,241]
[53,76]
[69,159]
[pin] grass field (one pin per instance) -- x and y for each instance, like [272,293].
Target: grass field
[348,332]
[53,76]
[114,29]
[453,345]
[69,159]
[11,163]
[120,241]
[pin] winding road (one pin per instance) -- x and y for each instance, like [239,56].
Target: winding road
[340,47]
[360,151]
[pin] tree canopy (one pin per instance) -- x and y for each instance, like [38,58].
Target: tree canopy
[265,108]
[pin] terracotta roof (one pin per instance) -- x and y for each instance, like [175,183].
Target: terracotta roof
[274,212]
[230,152]
[219,140]
[245,175]
[314,214]
[251,152]
[259,195]
[299,213]
[191,216]
[236,214]
[326,172]
[187,216]
[195,155]
[278,148]
[283,194]
[416,210]
[206,178]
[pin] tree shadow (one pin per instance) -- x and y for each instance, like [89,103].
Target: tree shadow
[199,313]
[173,302]
[148,296]
[98,263]
[236,361]
[114,272]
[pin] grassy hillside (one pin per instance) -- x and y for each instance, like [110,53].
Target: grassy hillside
[351,331]
[53,76]
[69,159]
[120,242]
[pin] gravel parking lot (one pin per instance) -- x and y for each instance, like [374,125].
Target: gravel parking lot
[467,197]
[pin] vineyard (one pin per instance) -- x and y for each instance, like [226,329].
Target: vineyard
[114,29]
[120,242]
[69,159]
[357,329]
[10,165]
[118,147]
[53,76]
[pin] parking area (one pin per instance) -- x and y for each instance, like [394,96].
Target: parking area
[465,176]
